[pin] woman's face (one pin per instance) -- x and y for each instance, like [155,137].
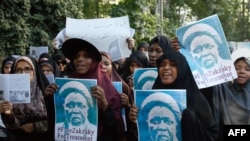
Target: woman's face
[168,71]
[7,68]
[46,70]
[61,65]
[154,52]
[243,72]
[24,67]
[82,62]
[134,65]
[106,65]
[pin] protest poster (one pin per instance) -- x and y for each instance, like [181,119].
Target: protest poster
[118,87]
[76,110]
[160,112]
[107,34]
[144,78]
[206,49]
[15,88]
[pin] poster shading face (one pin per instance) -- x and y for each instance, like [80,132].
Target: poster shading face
[159,116]
[76,110]
[206,49]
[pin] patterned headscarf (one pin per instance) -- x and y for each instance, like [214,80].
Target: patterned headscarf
[35,110]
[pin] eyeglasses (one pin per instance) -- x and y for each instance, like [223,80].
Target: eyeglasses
[25,70]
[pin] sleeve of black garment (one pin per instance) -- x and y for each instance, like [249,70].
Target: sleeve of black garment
[109,119]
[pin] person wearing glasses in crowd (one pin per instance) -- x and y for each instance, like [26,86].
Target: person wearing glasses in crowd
[64,67]
[27,121]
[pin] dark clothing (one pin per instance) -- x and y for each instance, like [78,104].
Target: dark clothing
[137,56]
[163,41]
[44,56]
[52,65]
[10,60]
[230,104]
[59,58]
[33,113]
[19,135]
[68,70]
[198,123]
[110,123]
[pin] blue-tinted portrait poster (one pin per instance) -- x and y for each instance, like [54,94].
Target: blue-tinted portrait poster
[206,49]
[118,87]
[76,111]
[144,78]
[159,114]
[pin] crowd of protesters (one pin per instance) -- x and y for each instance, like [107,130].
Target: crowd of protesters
[202,120]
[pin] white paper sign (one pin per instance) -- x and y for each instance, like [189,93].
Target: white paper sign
[103,33]
[15,88]
[37,51]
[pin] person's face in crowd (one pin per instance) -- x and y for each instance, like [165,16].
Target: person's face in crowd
[205,51]
[243,72]
[76,109]
[106,65]
[162,124]
[82,62]
[61,65]
[144,50]
[7,68]
[24,67]
[168,71]
[154,52]
[46,70]
[134,65]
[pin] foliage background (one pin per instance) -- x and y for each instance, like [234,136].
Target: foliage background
[26,23]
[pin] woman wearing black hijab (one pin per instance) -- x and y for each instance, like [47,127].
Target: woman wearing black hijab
[137,59]
[197,123]
[64,67]
[6,69]
[44,57]
[50,66]
[198,114]
[7,64]
[230,101]
[157,46]
[27,121]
